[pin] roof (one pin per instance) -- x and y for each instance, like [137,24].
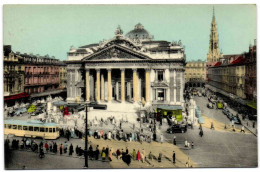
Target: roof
[170,107]
[29,123]
[160,42]
[239,60]
[89,45]
[217,64]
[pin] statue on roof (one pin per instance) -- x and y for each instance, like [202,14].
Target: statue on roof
[118,31]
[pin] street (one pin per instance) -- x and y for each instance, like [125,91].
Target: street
[218,148]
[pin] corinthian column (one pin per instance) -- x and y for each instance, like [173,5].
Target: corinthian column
[87,85]
[135,85]
[98,84]
[147,85]
[109,98]
[102,87]
[122,85]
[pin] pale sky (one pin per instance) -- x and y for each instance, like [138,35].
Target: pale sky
[52,29]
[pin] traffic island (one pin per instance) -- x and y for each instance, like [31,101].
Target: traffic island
[166,149]
[219,126]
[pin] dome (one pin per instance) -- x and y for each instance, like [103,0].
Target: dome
[139,32]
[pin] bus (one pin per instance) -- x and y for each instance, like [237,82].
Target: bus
[31,129]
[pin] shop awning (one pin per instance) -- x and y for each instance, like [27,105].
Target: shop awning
[17,96]
[170,107]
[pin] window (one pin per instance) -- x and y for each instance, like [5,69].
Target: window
[9,126]
[54,130]
[36,128]
[25,128]
[30,128]
[160,96]
[50,130]
[160,76]
[46,129]
[41,129]
[19,127]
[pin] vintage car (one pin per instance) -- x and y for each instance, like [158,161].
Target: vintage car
[178,128]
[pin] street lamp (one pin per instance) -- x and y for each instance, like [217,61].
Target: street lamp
[95,106]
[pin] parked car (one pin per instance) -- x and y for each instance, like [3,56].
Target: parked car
[236,120]
[225,111]
[230,116]
[177,129]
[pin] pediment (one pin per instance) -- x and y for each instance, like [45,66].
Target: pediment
[114,53]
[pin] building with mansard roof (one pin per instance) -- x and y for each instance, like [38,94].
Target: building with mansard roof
[128,68]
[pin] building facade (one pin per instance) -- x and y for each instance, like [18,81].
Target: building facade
[41,73]
[13,72]
[127,68]
[63,75]
[251,78]
[227,76]
[195,73]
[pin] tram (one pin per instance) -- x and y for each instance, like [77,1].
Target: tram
[31,129]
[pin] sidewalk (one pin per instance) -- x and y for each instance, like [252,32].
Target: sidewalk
[248,124]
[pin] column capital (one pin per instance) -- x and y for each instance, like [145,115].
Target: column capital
[87,70]
[122,69]
[134,69]
[97,69]
[147,69]
[109,69]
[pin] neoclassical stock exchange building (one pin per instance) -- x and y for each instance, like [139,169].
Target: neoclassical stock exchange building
[127,69]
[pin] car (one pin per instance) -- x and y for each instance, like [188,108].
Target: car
[177,129]
[230,116]
[225,111]
[210,106]
[236,120]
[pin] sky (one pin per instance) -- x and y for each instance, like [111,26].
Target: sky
[53,29]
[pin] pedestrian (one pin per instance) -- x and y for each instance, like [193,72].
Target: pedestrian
[91,152]
[65,147]
[107,151]
[173,157]
[134,154]
[150,156]
[118,153]
[46,146]
[186,143]
[71,150]
[161,138]
[201,133]
[110,154]
[97,152]
[212,126]
[61,149]
[77,150]
[143,156]
[243,129]
[138,155]
[103,154]
[101,133]
[109,135]
[160,157]
[55,148]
